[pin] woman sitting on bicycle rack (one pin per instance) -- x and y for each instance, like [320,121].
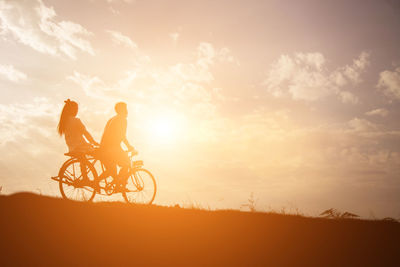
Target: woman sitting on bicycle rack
[74,131]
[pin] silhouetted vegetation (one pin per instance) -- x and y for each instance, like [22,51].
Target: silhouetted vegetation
[335,214]
[251,203]
[390,219]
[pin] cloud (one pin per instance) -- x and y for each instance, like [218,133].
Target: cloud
[360,149]
[34,24]
[12,74]
[378,112]
[114,11]
[361,125]
[174,36]
[181,85]
[17,119]
[353,72]
[207,56]
[304,76]
[95,87]
[347,97]
[120,39]
[192,72]
[149,89]
[87,83]
[389,82]
[184,87]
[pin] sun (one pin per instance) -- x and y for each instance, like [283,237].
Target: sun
[165,128]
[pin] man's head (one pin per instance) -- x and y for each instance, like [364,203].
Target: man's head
[121,109]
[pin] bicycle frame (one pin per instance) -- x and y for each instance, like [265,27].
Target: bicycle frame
[134,165]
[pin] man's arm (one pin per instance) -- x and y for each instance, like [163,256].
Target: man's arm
[124,139]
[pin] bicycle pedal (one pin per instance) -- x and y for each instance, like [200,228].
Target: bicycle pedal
[55,178]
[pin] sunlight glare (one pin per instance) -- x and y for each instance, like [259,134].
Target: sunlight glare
[165,128]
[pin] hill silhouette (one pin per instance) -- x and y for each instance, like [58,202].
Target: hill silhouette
[40,230]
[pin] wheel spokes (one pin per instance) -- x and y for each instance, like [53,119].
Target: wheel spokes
[73,185]
[140,187]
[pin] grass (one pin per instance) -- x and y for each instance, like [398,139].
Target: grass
[55,232]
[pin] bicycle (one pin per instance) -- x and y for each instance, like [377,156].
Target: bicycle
[78,176]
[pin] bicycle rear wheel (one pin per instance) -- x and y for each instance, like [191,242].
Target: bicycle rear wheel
[75,180]
[141,187]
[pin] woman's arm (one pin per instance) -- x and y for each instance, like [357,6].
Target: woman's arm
[89,137]
[85,133]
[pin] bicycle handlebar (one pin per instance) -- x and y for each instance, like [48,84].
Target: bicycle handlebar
[132,152]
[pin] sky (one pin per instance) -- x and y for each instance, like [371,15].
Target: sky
[293,102]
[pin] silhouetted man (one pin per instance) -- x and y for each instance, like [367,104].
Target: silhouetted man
[110,145]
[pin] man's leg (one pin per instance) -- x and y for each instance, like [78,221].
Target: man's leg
[111,169]
[123,175]
[102,176]
[107,157]
[124,163]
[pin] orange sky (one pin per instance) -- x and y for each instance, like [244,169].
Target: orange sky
[297,103]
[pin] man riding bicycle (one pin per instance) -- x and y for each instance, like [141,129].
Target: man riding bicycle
[111,152]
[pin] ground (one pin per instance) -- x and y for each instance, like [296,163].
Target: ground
[40,230]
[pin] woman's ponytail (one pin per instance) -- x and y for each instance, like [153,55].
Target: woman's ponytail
[70,109]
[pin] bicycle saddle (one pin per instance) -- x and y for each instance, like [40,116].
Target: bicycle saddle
[74,154]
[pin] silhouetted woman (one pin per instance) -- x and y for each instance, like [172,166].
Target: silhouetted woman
[77,137]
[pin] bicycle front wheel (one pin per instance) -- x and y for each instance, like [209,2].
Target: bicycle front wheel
[141,187]
[75,180]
